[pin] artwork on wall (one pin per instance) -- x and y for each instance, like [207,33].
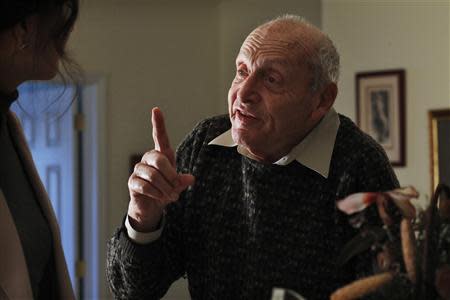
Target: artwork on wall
[380,110]
[439,123]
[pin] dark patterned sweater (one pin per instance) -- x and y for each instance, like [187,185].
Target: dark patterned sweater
[246,226]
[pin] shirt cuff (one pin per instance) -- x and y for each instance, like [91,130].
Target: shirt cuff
[143,237]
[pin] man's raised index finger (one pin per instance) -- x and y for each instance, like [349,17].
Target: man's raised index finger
[160,137]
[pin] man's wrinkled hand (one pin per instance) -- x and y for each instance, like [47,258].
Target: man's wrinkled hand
[155,182]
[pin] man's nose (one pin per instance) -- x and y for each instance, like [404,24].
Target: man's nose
[248,91]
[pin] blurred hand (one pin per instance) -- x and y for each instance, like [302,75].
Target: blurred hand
[155,182]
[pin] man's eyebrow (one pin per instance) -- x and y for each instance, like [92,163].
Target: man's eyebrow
[276,61]
[267,61]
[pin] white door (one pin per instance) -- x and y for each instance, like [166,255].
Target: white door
[45,111]
[72,166]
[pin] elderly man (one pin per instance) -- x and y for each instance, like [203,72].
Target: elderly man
[248,203]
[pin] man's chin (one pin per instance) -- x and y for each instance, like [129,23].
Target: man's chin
[240,135]
[245,138]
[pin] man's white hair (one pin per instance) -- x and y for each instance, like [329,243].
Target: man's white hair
[325,63]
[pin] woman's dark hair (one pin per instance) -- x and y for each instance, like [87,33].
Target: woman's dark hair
[56,18]
[56,21]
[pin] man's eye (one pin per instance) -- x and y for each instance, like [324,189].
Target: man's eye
[241,73]
[272,79]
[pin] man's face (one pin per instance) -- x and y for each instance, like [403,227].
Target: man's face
[269,100]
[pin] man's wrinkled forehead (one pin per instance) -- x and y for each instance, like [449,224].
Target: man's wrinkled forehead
[265,42]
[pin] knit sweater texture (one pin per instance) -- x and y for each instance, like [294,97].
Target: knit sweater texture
[245,227]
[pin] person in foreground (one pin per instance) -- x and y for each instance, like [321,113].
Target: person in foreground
[248,203]
[33,35]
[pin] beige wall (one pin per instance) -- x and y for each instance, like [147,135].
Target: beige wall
[378,35]
[151,54]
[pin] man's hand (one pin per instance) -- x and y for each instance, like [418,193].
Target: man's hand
[155,182]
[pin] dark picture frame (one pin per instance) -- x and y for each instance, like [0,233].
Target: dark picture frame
[380,107]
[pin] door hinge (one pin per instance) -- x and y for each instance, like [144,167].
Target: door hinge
[80,269]
[79,122]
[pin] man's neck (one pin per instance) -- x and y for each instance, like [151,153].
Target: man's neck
[281,151]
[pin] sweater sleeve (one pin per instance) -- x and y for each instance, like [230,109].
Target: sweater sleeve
[140,271]
[137,271]
[373,173]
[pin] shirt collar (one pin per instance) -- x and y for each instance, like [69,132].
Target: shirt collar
[314,151]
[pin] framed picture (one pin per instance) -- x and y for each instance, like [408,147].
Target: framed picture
[439,123]
[380,108]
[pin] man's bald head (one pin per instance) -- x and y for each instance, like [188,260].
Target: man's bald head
[313,47]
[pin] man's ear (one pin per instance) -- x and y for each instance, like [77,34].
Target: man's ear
[326,100]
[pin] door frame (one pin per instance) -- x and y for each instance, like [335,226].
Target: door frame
[96,216]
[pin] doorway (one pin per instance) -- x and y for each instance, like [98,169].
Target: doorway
[65,129]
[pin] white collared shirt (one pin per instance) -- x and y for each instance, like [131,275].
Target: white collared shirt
[314,152]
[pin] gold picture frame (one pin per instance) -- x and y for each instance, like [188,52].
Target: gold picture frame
[439,125]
